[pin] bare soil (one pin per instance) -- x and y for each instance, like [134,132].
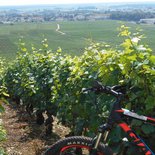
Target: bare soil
[24,136]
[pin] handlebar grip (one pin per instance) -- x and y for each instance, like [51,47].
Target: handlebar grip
[86,89]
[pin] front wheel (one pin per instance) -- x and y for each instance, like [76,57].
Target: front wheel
[76,145]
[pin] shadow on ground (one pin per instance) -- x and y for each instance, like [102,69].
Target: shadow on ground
[24,136]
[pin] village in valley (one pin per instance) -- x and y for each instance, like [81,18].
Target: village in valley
[136,13]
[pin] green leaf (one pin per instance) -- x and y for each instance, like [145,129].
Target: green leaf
[136,123]
[150,102]
[152,58]
[148,129]
[5,94]
[1,108]
[24,49]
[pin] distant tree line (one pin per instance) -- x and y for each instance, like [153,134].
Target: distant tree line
[74,15]
[131,15]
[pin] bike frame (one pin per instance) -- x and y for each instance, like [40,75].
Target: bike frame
[133,136]
[116,117]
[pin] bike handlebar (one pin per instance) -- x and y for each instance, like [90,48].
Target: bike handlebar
[99,88]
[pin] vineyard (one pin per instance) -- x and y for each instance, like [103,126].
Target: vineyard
[76,38]
[49,84]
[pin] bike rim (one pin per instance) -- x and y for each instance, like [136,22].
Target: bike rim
[86,149]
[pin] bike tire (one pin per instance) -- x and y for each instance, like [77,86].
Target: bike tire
[79,142]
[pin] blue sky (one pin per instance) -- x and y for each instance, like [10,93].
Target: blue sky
[29,2]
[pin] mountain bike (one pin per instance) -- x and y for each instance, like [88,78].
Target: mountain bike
[80,145]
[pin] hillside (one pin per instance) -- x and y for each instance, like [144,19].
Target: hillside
[77,35]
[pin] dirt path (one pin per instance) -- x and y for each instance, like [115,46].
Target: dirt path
[58,30]
[24,136]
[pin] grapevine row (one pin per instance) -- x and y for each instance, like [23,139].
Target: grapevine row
[51,82]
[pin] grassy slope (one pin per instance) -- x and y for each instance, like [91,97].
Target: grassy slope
[76,38]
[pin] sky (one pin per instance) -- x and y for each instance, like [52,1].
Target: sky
[31,2]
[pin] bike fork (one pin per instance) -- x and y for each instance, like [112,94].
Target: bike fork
[97,141]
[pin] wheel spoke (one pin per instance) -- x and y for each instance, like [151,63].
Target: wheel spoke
[78,151]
